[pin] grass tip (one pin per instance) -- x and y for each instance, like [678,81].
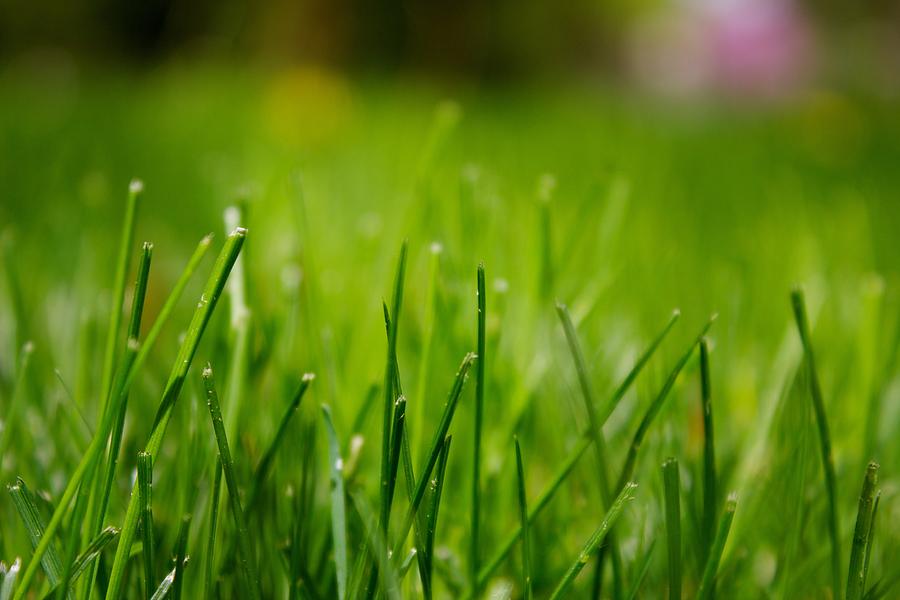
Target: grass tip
[676,312]
[239,232]
[133,344]
[308,377]
[136,186]
[207,239]
[207,371]
[731,502]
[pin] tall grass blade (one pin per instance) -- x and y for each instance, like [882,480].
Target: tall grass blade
[612,514]
[870,539]
[245,546]
[671,487]
[389,369]
[215,494]
[145,487]
[34,525]
[165,586]
[574,455]
[431,515]
[523,516]
[88,556]
[436,443]
[707,529]
[338,508]
[708,581]
[208,299]
[858,555]
[378,548]
[475,514]
[181,557]
[815,390]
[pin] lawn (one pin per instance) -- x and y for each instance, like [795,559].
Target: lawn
[611,228]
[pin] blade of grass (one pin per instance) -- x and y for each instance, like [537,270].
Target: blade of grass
[574,455]
[98,442]
[389,369]
[858,554]
[245,546]
[671,488]
[377,547]
[707,582]
[641,573]
[437,442]
[815,390]
[709,454]
[31,518]
[103,486]
[215,495]
[18,398]
[88,556]
[145,489]
[475,514]
[338,509]
[595,429]
[265,463]
[182,364]
[181,556]
[165,586]
[523,516]
[9,579]
[397,431]
[240,322]
[421,555]
[870,538]
[615,510]
[431,515]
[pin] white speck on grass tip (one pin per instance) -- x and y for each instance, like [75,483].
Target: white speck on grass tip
[136,186]
[207,239]
[239,231]
[133,344]
[207,371]
[309,376]
[339,465]
[676,312]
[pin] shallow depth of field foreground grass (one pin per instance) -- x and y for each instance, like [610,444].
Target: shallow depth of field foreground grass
[518,344]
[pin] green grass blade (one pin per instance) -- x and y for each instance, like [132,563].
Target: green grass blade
[870,539]
[569,464]
[181,557]
[208,300]
[145,487]
[31,518]
[397,433]
[88,556]
[523,516]
[245,546]
[437,442]
[431,515]
[421,554]
[708,581]
[475,514]
[707,529]
[118,296]
[98,442]
[265,463]
[377,547]
[165,586]
[615,510]
[215,494]
[18,398]
[856,576]
[815,391]
[641,573]
[9,579]
[338,508]
[672,488]
[388,390]
[654,408]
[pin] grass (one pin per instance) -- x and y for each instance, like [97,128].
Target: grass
[619,208]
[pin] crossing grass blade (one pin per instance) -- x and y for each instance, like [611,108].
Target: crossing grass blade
[671,488]
[475,514]
[431,515]
[165,586]
[574,455]
[205,307]
[433,454]
[870,539]
[523,516]
[265,463]
[181,557]
[31,519]
[88,556]
[245,546]
[421,546]
[615,510]
[98,442]
[709,454]
[377,547]
[708,581]
[145,487]
[815,390]
[215,494]
[388,390]
[858,554]
[338,508]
